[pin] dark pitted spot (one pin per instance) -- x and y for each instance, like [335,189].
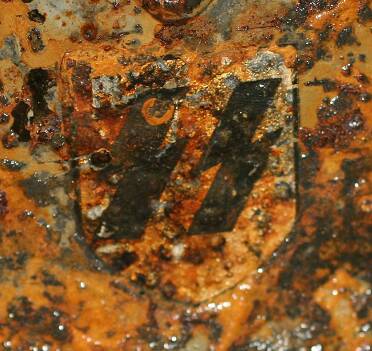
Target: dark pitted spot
[169,290]
[137,10]
[47,123]
[49,279]
[365,97]
[362,58]
[283,190]
[356,121]
[89,31]
[327,84]
[4,100]
[362,78]
[100,158]
[124,260]
[10,140]
[124,60]
[346,37]
[3,203]
[325,32]
[346,69]
[134,42]
[218,243]
[57,141]
[164,254]
[81,79]
[56,299]
[36,16]
[365,13]
[334,106]
[4,117]
[304,62]
[35,39]
[138,28]
[21,121]
[19,309]
[39,82]
[55,327]
[12,165]
[215,328]
[194,256]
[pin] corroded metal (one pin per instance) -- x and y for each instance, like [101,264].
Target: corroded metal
[171,11]
[182,172]
[185,175]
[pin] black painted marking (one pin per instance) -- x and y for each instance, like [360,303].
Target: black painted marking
[242,162]
[145,170]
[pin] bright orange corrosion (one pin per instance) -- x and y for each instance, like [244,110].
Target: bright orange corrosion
[294,270]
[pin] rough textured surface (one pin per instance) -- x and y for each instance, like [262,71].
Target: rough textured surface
[185,175]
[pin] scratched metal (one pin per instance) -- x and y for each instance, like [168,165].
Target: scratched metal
[185,175]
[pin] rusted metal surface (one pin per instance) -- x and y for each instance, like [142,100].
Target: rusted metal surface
[185,175]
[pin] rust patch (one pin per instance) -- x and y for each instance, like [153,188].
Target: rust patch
[196,174]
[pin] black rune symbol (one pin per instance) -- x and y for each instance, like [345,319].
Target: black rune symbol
[146,171]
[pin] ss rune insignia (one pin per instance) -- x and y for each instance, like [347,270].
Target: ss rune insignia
[184,166]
